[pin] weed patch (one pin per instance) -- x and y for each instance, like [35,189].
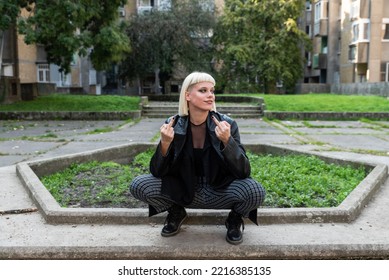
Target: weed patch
[290,181]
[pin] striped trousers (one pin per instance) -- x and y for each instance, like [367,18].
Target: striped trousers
[242,195]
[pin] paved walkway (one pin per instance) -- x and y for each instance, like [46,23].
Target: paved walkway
[27,235]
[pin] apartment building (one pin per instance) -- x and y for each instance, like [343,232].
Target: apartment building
[25,71]
[350,41]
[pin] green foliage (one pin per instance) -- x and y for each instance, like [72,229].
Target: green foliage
[259,44]
[70,27]
[9,10]
[164,39]
[86,103]
[290,181]
[303,181]
[96,184]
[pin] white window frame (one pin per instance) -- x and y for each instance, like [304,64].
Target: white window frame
[354,9]
[43,73]
[308,6]
[321,10]
[385,24]
[363,34]
[318,8]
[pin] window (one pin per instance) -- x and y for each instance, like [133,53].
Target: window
[355,33]
[146,3]
[366,31]
[385,29]
[354,9]
[324,45]
[361,31]
[321,10]
[387,72]
[317,11]
[308,30]
[386,33]
[308,6]
[352,52]
[122,11]
[43,73]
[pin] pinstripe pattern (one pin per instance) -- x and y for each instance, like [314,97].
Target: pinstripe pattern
[242,195]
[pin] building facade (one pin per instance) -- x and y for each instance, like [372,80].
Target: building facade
[350,41]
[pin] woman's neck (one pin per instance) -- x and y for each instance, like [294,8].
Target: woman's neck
[198,118]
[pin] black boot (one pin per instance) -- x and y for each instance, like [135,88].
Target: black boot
[174,220]
[233,224]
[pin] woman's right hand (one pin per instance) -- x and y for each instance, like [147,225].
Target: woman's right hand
[167,136]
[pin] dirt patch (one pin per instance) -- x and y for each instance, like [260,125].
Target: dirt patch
[96,188]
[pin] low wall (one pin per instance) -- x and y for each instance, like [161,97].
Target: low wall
[29,173]
[335,116]
[70,115]
[312,88]
[379,89]
[219,98]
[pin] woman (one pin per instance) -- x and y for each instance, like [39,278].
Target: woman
[200,163]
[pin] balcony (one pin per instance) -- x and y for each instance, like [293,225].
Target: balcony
[321,28]
[358,53]
[362,52]
[319,61]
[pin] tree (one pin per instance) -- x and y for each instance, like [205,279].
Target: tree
[164,39]
[9,10]
[259,44]
[69,27]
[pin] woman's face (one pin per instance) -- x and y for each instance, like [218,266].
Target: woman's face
[201,96]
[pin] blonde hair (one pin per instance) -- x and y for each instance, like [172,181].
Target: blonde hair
[191,79]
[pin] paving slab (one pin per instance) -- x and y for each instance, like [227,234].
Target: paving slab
[12,194]
[364,142]
[24,147]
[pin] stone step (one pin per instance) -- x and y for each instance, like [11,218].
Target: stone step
[164,109]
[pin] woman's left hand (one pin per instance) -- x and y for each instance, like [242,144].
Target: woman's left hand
[222,130]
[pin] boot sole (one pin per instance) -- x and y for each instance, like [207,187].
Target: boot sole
[234,242]
[174,232]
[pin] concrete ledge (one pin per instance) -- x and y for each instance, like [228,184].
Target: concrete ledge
[326,115]
[30,172]
[70,115]
[273,252]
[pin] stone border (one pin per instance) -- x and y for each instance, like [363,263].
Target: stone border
[84,116]
[29,173]
[326,251]
[325,115]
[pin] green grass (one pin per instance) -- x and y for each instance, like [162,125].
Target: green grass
[303,181]
[75,103]
[324,103]
[96,184]
[290,181]
[292,102]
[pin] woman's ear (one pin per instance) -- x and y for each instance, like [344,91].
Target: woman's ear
[187,97]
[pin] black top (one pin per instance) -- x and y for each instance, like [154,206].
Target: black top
[198,133]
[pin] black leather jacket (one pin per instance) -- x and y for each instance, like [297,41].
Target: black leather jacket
[222,164]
